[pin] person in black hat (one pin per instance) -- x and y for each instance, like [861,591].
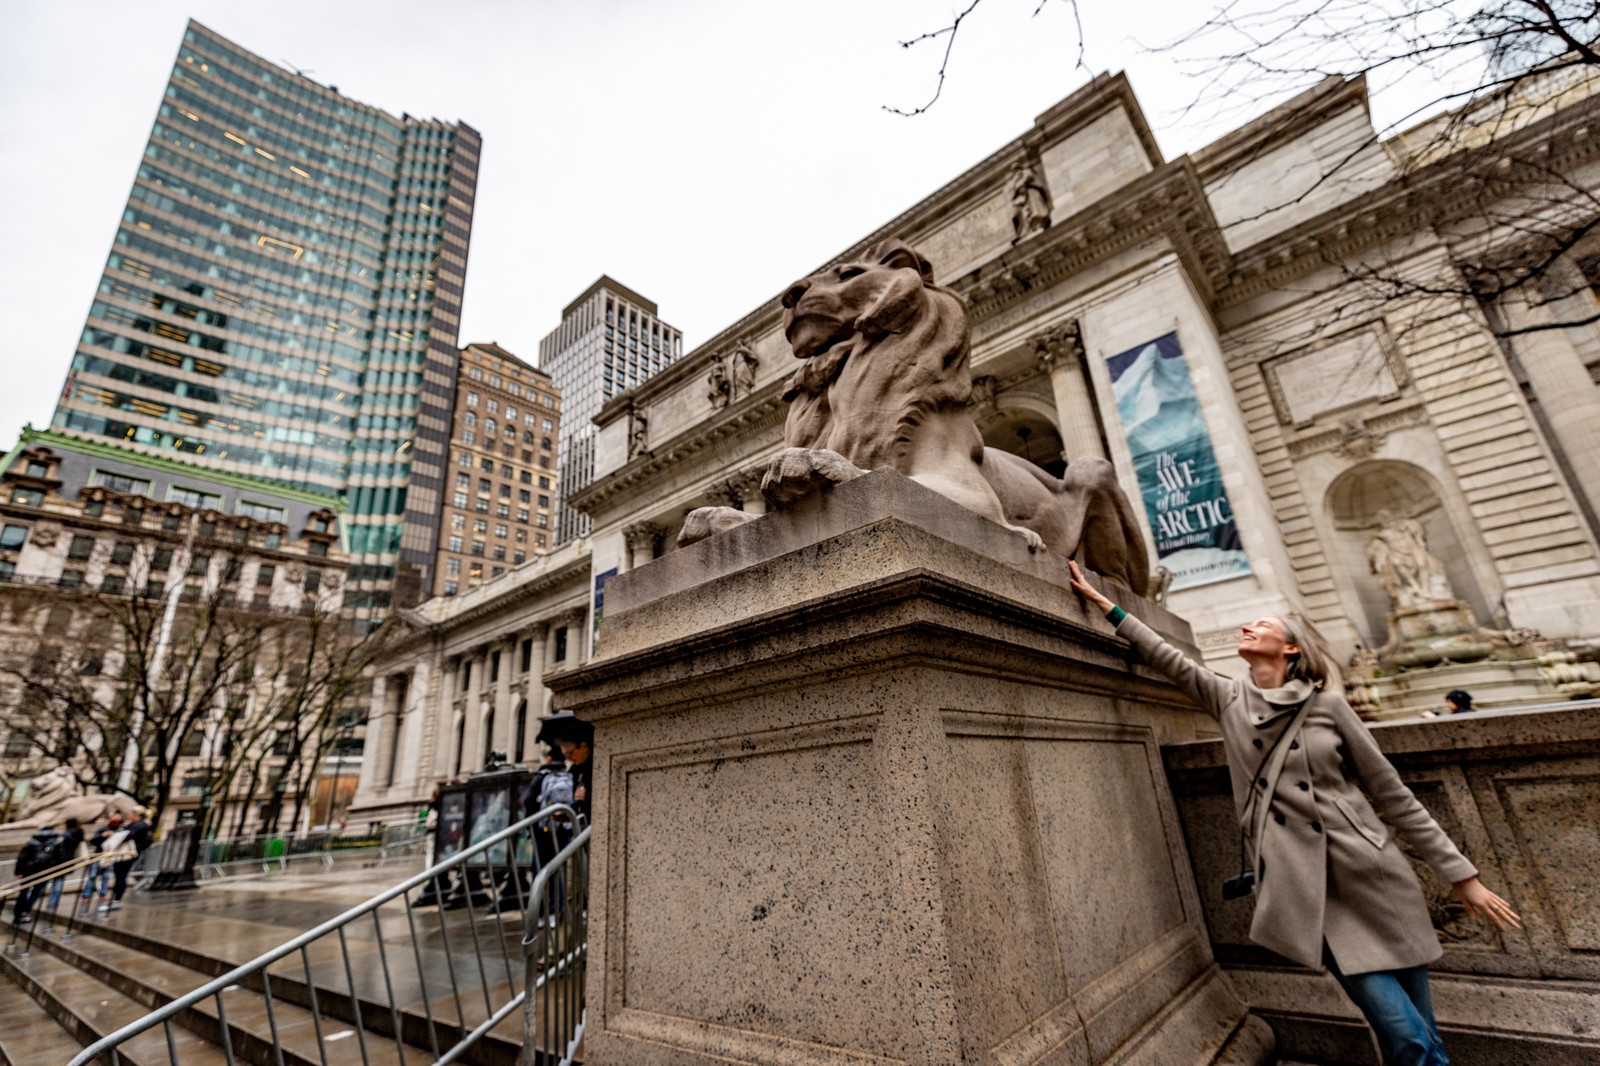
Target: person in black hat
[575,738]
[1459,701]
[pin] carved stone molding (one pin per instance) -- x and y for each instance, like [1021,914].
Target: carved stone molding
[1060,345]
[643,537]
[1357,440]
[737,489]
[1348,441]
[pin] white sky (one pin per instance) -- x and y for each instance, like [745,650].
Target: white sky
[702,152]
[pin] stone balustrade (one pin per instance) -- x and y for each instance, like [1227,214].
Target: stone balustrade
[1519,791]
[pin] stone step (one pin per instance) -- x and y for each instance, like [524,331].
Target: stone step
[29,1036]
[211,944]
[88,1009]
[155,982]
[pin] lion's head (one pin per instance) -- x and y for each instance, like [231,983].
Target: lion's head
[870,295]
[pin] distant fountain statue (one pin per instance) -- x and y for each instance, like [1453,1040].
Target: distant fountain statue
[1411,575]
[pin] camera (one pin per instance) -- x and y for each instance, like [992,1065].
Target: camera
[1239,886]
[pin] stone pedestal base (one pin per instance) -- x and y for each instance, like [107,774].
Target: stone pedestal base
[873,788]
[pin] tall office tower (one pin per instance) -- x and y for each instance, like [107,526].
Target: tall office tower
[501,503]
[609,340]
[282,300]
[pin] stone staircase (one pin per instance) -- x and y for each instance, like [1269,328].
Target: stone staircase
[77,983]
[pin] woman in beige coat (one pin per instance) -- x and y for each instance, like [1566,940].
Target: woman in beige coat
[1332,887]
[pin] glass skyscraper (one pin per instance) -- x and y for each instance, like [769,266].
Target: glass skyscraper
[609,340]
[282,300]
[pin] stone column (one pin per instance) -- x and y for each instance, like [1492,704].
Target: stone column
[1566,393]
[505,710]
[533,686]
[643,540]
[376,741]
[1060,353]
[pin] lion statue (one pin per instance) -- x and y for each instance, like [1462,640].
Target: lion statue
[884,385]
[56,795]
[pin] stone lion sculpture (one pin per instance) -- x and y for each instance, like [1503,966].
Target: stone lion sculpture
[56,795]
[884,385]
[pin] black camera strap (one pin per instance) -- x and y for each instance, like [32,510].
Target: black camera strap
[1264,782]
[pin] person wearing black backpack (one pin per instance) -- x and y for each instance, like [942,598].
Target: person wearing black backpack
[63,851]
[33,859]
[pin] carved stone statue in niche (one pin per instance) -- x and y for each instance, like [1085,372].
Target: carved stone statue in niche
[638,434]
[1411,575]
[744,363]
[721,389]
[1030,200]
[884,384]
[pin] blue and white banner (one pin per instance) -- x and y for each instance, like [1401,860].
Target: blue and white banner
[1195,532]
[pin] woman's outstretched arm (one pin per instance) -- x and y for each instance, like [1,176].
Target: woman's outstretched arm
[1209,691]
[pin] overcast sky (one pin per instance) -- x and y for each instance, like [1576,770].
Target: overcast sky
[702,152]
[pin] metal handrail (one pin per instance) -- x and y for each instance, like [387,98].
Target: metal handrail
[336,926]
[557,952]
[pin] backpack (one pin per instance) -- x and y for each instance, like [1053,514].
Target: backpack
[556,788]
[29,858]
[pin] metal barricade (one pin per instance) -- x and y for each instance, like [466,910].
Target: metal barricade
[433,962]
[555,942]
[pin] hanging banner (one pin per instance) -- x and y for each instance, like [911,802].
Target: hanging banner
[1195,532]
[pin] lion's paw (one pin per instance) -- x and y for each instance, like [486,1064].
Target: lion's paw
[702,522]
[1035,542]
[796,473]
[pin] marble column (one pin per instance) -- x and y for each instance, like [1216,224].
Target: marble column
[1566,392]
[1060,354]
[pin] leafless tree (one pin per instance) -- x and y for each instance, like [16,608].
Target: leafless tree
[1480,108]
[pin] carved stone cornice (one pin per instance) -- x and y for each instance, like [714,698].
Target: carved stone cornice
[762,413]
[1166,202]
[1356,437]
[1450,190]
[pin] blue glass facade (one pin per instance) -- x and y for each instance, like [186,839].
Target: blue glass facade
[282,299]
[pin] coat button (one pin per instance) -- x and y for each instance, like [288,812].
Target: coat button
[1278,817]
[1257,743]
[1261,782]
[1293,744]
[1302,786]
[1317,826]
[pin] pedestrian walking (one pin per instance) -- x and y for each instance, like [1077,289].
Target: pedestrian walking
[65,850]
[33,859]
[140,835]
[97,879]
[1332,888]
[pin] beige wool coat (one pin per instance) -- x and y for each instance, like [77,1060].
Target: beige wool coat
[1327,865]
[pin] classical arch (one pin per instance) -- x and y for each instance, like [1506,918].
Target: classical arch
[1024,425]
[1353,502]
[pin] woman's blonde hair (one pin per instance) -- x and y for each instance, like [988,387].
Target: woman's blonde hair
[1312,663]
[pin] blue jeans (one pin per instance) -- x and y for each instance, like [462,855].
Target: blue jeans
[97,876]
[1398,1006]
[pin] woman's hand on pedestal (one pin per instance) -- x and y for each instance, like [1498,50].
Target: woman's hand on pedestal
[1081,586]
[1485,905]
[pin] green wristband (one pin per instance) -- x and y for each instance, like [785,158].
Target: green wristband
[1116,615]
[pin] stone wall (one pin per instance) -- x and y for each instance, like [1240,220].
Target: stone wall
[1520,793]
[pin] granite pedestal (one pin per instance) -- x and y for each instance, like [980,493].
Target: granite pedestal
[872,787]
